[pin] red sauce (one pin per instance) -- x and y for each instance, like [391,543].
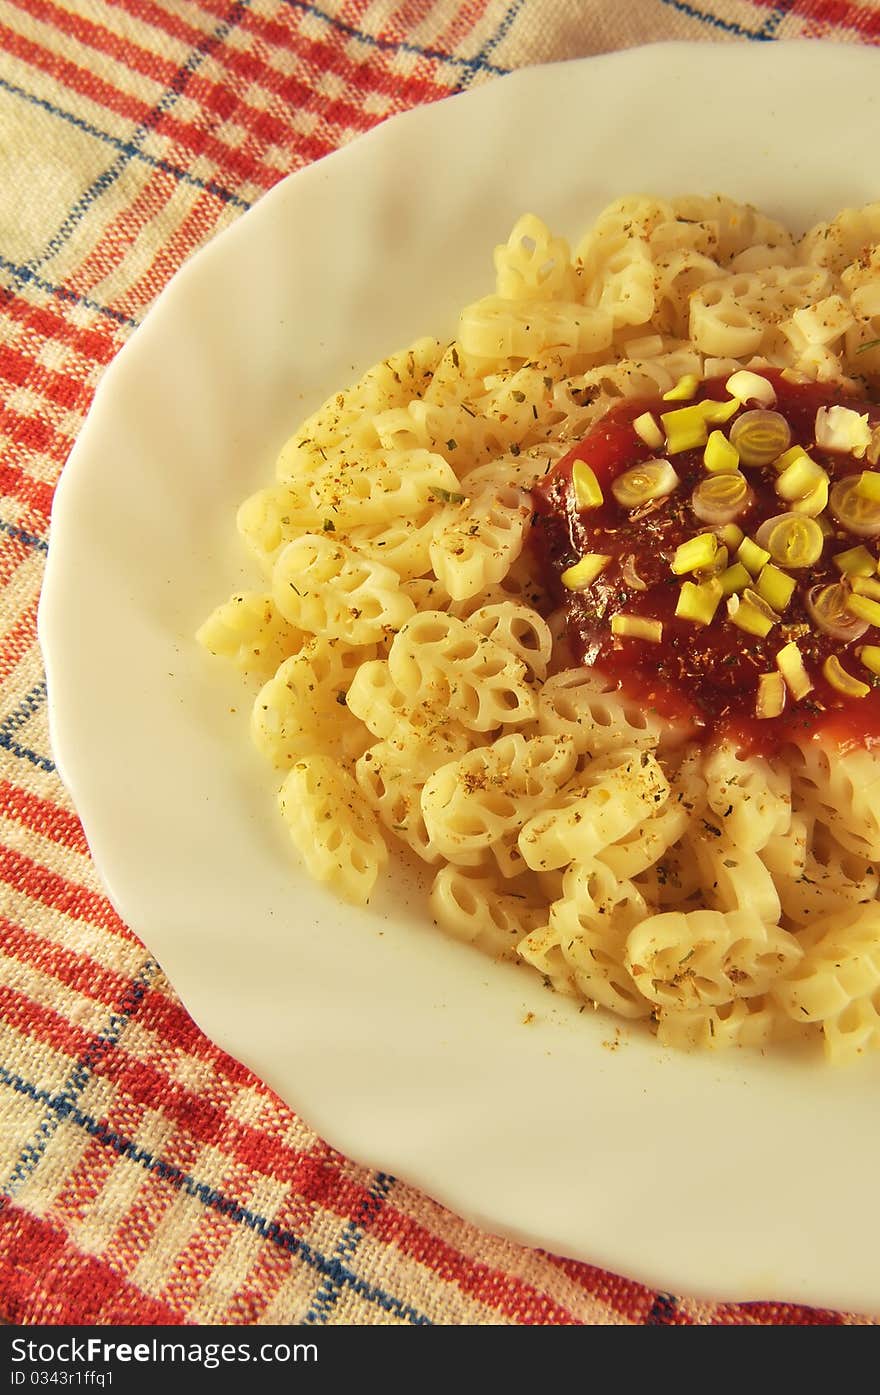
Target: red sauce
[706,675]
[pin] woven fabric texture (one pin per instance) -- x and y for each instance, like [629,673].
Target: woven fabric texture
[145,1177]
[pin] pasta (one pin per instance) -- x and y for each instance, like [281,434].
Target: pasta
[432,672]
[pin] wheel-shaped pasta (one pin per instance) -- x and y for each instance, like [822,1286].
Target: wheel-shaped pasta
[332,826]
[249,630]
[586,706]
[684,959]
[481,540]
[520,629]
[586,937]
[496,330]
[479,803]
[381,485]
[303,705]
[600,810]
[324,587]
[837,983]
[473,905]
[273,517]
[391,776]
[439,660]
[533,264]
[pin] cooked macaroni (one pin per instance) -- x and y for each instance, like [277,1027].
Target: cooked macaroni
[417,688]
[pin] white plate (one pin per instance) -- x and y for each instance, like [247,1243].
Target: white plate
[737,1177]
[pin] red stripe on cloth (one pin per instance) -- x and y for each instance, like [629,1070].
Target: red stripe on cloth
[774,1315]
[62,389]
[95,343]
[57,892]
[840,14]
[315,1178]
[632,1300]
[198,224]
[145,61]
[65,73]
[43,1024]
[19,640]
[16,484]
[45,1280]
[32,434]
[72,968]
[451,39]
[270,1271]
[14,553]
[123,233]
[42,816]
[82,1186]
[516,1298]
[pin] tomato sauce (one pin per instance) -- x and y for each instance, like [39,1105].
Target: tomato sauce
[704,675]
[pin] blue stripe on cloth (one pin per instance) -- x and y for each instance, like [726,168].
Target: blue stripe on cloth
[728,26]
[59,1105]
[328,1293]
[775,18]
[215,1200]
[24,753]
[30,703]
[109,177]
[470,65]
[21,535]
[481,62]
[23,276]
[126,147]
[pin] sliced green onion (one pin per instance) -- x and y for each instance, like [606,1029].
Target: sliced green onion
[791,665]
[637,627]
[869,484]
[857,513]
[722,497]
[587,490]
[695,554]
[791,539]
[719,453]
[717,413]
[735,578]
[685,428]
[864,608]
[699,602]
[647,428]
[866,586]
[799,478]
[828,608]
[731,535]
[584,572]
[788,457]
[843,681]
[752,557]
[770,700]
[869,654]
[751,387]
[748,612]
[760,436]
[684,389]
[775,587]
[856,561]
[644,483]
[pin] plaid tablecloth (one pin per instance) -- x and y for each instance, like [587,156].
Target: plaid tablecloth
[145,1176]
